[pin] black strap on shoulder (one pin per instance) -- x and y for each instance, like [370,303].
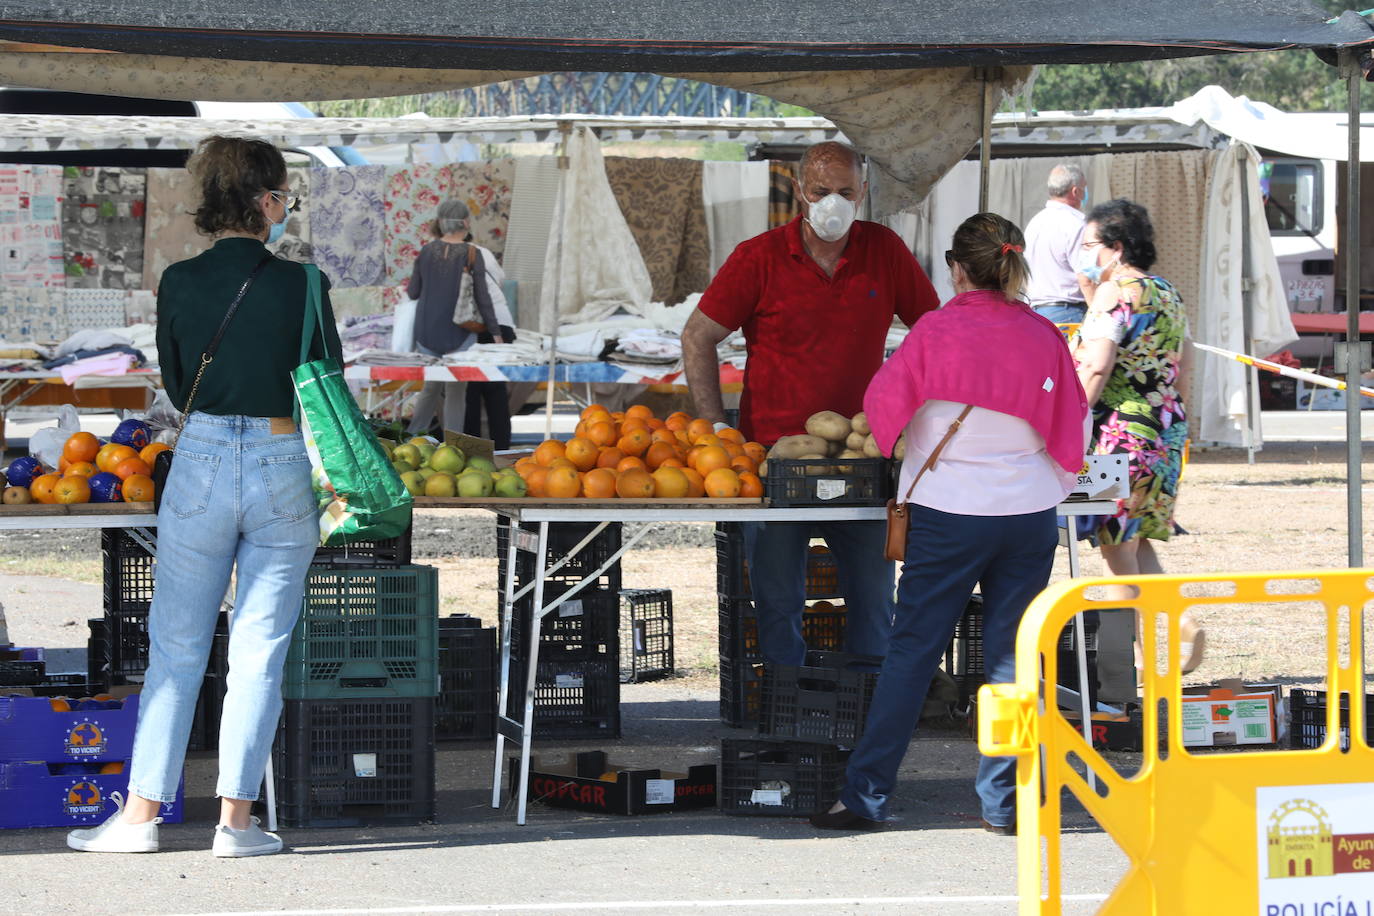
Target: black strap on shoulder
[234,307]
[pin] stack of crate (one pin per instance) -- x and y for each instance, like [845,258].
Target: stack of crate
[741,661]
[577,683]
[467,679]
[356,741]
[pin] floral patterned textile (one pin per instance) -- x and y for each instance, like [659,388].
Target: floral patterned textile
[1139,413]
[169,230]
[661,200]
[486,188]
[782,196]
[102,227]
[412,198]
[348,223]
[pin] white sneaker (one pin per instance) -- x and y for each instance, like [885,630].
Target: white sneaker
[115,835]
[251,841]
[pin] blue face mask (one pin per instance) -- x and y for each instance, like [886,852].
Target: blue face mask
[1094,271]
[276,232]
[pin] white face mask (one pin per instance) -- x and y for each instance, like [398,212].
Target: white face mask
[831,216]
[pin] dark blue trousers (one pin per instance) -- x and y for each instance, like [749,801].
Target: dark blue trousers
[1010,556]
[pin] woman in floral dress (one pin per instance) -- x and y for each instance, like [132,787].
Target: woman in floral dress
[1131,349]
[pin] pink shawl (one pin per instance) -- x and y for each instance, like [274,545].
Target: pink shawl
[992,352]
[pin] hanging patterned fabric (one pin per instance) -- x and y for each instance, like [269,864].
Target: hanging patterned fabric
[169,229]
[782,199]
[33,314]
[357,301]
[486,188]
[348,224]
[102,227]
[413,195]
[95,308]
[661,200]
[294,244]
[736,198]
[31,225]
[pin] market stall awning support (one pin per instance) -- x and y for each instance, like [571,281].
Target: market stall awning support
[1354,64]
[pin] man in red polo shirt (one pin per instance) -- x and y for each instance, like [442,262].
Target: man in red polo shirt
[815,299]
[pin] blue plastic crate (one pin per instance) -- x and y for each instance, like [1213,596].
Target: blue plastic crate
[30,729]
[67,795]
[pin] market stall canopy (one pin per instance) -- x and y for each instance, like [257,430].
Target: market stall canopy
[896,78]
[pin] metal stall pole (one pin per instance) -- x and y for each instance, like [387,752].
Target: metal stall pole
[987,75]
[1247,304]
[1351,70]
[562,210]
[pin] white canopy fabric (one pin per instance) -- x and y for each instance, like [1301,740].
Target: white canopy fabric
[1318,135]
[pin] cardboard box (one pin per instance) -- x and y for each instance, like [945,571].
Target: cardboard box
[471,446]
[591,783]
[1110,732]
[68,794]
[1231,713]
[31,729]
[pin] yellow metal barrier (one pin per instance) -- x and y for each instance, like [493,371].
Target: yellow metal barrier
[1274,833]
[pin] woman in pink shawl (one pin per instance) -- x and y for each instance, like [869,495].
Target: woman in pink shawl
[994,383]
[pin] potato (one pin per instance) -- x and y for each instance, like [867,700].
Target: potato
[855,442]
[899,450]
[852,453]
[817,469]
[763,468]
[828,425]
[797,446]
[834,449]
[860,424]
[871,449]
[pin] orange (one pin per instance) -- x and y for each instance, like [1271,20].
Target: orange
[591,409]
[560,463]
[151,451]
[677,421]
[710,458]
[639,410]
[658,453]
[609,457]
[634,442]
[730,434]
[630,463]
[74,489]
[599,483]
[696,487]
[656,423]
[601,417]
[81,468]
[672,463]
[682,438]
[534,483]
[581,428]
[634,423]
[130,466]
[744,465]
[635,484]
[670,483]
[524,465]
[109,456]
[698,428]
[563,483]
[756,451]
[80,447]
[708,439]
[138,488]
[733,449]
[661,434]
[722,483]
[582,453]
[618,416]
[602,432]
[62,465]
[548,450]
[750,485]
[41,489]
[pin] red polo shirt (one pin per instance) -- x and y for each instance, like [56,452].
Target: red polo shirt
[814,341]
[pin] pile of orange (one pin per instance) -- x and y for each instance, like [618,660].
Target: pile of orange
[83,456]
[635,455]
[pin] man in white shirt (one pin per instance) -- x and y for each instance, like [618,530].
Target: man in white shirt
[1053,237]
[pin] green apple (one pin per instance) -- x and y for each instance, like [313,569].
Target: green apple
[448,459]
[425,446]
[387,447]
[426,472]
[402,466]
[415,484]
[409,454]
[440,484]
[482,464]
[17,496]
[511,486]
[474,485]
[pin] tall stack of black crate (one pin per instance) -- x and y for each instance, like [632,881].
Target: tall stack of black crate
[468,679]
[356,739]
[741,660]
[577,681]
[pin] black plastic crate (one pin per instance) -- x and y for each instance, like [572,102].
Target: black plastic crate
[779,778]
[732,568]
[365,554]
[826,700]
[563,537]
[586,626]
[344,763]
[741,688]
[210,701]
[1307,718]
[97,653]
[572,698]
[468,659]
[964,656]
[646,634]
[126,645]
[129,570]
[73,684]
[20,667]
[823,629]
[828,482]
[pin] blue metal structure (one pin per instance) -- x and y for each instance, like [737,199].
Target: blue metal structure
[633,94]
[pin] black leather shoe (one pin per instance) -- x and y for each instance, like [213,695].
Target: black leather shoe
[844,820]
[1000,829]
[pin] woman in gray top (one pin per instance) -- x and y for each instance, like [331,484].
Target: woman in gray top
[434,285]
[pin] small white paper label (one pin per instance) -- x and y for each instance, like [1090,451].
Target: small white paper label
[568,681]
[365,766]
[659,792]
[831,489]
[639,638]
[766,797]
[570,608]
[1049,384]
[526,540]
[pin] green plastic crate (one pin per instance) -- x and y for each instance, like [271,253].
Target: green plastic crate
[366,633]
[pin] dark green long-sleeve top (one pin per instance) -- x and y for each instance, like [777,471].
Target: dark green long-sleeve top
[251,373]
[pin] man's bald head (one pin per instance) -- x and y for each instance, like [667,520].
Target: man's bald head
[827,155]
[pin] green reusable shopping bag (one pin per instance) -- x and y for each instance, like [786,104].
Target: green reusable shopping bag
[360,495]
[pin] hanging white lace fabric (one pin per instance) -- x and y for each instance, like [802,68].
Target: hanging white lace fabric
[599,268]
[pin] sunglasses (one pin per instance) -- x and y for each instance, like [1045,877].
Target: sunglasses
[292,202]
[949,258]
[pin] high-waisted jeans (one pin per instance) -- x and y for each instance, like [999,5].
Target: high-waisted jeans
[237,496]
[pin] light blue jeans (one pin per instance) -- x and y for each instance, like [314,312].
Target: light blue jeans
[237,495]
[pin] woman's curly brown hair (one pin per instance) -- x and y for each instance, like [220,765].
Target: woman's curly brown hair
[232,174]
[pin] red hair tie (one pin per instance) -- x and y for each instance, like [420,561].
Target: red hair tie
[1007,246]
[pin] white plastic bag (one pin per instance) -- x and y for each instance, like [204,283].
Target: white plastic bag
[403,329]
[46,444]
[163,418]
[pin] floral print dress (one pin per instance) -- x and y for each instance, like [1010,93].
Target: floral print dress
[1139,413]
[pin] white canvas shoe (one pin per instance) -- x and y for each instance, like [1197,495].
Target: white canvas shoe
[250,841]
[115,835]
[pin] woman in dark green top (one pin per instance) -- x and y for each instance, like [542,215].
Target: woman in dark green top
[237,502]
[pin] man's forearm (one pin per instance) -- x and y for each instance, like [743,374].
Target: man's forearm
[703,378]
